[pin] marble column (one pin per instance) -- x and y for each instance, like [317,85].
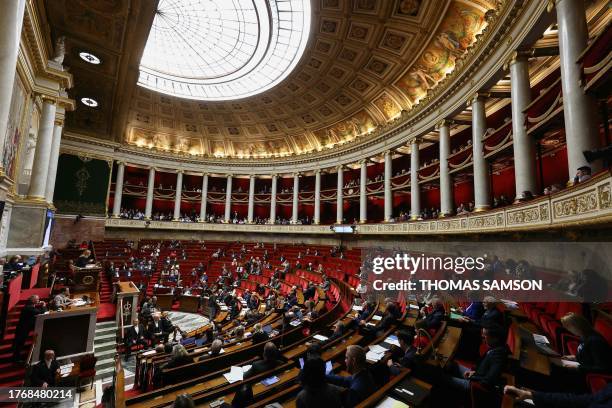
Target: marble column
[482,188]
[204,197]
[53,158]
[178,192]
[296,192]
[11,21]
[150,192]
[251,199]
[581,129]
[38,181]
[524,146]
[387,184]
[273,199]
[415,190]
[317,203]
[446,180]
[118,189]
[363,197]
[228,199]
[340,196]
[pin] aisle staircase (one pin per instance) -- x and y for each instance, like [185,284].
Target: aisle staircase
[11,373]
[105,348]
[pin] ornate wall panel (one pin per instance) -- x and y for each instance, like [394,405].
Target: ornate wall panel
[82,184]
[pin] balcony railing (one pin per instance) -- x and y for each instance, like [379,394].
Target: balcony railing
[587,203]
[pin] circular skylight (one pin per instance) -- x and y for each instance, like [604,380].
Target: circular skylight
[223,49]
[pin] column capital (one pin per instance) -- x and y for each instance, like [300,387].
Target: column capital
[274,175]
[228,175]
[296,174]
[59,122]
[120,162]
[252,176]
[339,167]
[388,152]
[180,171]
[152,168]
[478,96]
[206,174]
[318,171]
[47,98]
[516,56]
[416,140]
[362,162]
[444,122]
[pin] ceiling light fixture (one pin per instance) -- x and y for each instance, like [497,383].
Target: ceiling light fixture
[92,103]
[89,57]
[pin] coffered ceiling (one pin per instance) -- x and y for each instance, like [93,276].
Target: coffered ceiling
[365,62]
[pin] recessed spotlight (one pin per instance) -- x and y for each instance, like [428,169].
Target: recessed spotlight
[89,57]
[92,103]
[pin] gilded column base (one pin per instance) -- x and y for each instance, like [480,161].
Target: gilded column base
[36,199]
[482,208]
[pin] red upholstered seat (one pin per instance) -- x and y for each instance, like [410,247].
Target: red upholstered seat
[597,382]
[87,369]
[604,327]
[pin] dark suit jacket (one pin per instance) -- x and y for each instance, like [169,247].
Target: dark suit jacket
[492,317]
[261,366]
[167,325]
[152,330]
[474,311]
[434,319]
[309,292]
[178,361]
[260,337]
[601,399]
[81,261]
[131,336]
[595,354]
[325,396]
[360,386]
[489,369]
[27,318]
[41,374]
[409,358]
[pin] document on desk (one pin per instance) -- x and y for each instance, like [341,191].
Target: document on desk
[392,340]
[319,337]
[357,308]
[560,362]
[378,349]
[376,317]
[236,374]
[390,402]
[538,338]
[374,354]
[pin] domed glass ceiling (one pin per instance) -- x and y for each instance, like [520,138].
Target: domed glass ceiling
[223,49]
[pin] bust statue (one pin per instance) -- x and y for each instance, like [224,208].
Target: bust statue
[60,50]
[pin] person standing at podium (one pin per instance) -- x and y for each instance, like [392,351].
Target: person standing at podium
[27,318]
